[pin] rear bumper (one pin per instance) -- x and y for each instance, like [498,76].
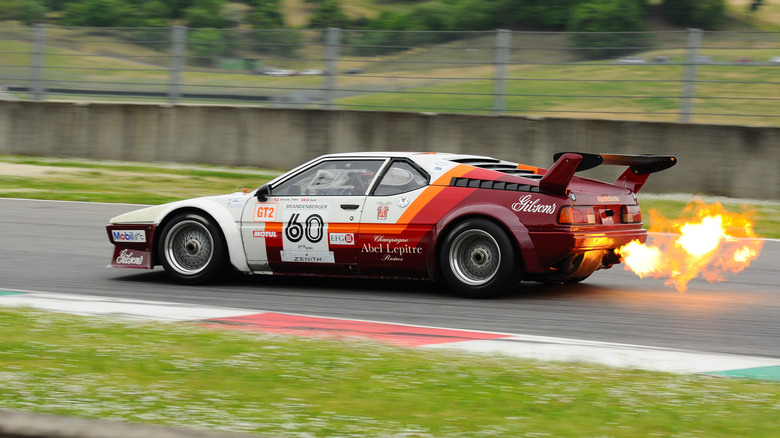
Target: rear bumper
[553,246]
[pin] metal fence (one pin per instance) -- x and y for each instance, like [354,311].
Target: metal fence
[688,76]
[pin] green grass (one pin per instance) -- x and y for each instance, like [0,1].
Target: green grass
[139,183]
[143,183]
[542,90]
[187,376]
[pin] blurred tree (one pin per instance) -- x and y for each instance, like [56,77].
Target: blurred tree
[206,14]
[276,40]
[56,5]
[177,8]
[590,19]
[151,13]
[205,45]
[266,14]
[329,14]
[553,14]
[25,11]
[707,14]
[467,15]
[96,13]
[430,16]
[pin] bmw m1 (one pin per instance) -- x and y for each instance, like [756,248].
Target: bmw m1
[480,224]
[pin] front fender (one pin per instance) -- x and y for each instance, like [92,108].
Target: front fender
[223,209]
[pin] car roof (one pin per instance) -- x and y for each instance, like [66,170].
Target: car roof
[384,154]
[420,157]
[430,161]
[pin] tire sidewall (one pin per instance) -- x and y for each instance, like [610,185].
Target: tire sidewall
[507,274]
[218,258]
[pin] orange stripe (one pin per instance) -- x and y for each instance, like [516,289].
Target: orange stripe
[457,171]
[382,228]
[343,227]
[418,204]
[533,169]
[433,190]
[273,226]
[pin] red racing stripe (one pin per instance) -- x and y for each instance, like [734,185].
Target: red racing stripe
[404,335]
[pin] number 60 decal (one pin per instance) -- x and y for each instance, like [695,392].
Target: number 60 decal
[311,228]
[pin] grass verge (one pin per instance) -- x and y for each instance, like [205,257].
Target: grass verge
[187,376]
[142,183]
[133,183]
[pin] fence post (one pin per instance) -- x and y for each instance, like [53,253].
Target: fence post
[503,43]
[332,54]
[689,75]
[38,87]
[178,51]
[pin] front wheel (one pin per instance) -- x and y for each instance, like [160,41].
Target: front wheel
[192,249]
[478,260]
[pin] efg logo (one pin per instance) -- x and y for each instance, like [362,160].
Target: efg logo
[342,238]
[129,236]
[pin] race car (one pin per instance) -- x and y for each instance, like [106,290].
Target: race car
[480,224]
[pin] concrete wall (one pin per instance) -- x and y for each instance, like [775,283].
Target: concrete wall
[736,161]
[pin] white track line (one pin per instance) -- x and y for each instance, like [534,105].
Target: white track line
[523,346]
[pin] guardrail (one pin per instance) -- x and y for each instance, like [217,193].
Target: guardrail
[687,76]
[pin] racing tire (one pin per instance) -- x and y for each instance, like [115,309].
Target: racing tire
[478,260]
[191,249]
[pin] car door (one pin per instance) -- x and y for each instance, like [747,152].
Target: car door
[309,222]
[393,239]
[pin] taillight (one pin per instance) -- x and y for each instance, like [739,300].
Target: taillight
[575,215]
[630,214]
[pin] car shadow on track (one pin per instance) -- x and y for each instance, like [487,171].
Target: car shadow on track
[526,290]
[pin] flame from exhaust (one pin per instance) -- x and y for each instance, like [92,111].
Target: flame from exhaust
[713,243]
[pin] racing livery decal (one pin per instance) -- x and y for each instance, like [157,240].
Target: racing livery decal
[347,239]
[137,236]
[392,249]
[528,205]
[265,212]
[259,234]
[381,211]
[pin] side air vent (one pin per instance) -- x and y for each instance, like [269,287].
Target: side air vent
[492,185]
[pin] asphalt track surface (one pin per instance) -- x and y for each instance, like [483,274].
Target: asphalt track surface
[63,247]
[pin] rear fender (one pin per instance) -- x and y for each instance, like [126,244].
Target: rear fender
[505,218]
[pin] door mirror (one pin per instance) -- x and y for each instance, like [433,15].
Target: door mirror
[263,192]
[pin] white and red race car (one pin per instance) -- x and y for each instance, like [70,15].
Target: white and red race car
[482,224]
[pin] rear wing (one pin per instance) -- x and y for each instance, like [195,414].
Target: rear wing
[556,179]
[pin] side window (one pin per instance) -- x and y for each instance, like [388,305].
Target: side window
[400,177]
[332,178]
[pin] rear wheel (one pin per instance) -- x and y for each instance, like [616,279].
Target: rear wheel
[192,249]
[478,260]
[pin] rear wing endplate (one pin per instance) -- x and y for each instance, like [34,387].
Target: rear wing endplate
[556,179]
